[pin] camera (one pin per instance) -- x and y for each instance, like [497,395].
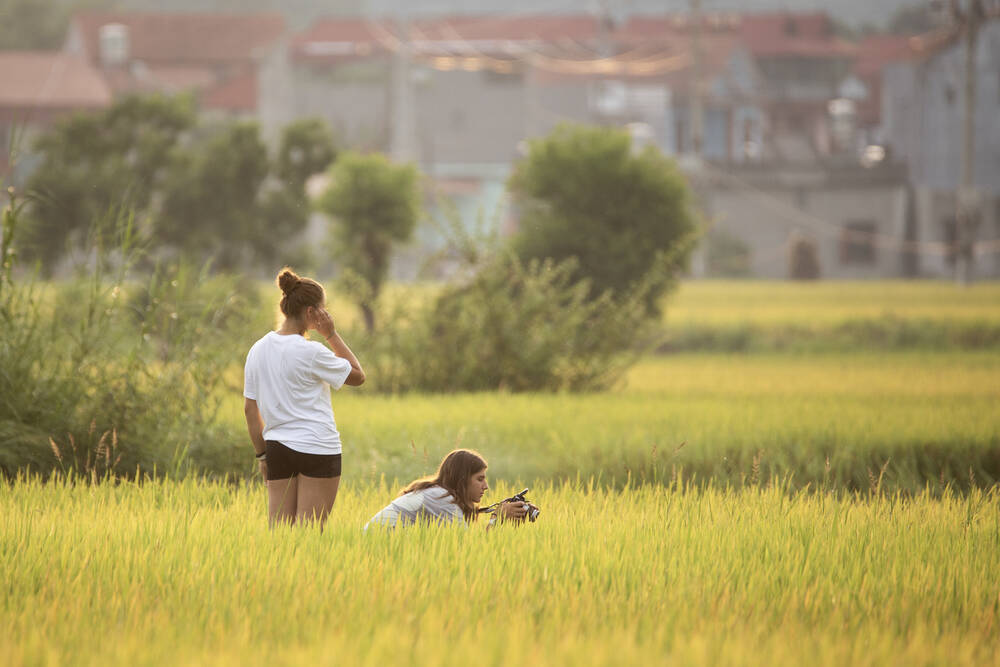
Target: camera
[533,510]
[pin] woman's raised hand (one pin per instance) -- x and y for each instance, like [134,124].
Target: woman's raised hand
[322,321]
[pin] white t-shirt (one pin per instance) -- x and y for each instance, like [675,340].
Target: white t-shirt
[431,503]
[290,378]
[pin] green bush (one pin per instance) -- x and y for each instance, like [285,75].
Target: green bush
[512,327]
[105,376]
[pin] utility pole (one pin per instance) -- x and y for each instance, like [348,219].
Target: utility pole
[697,103]
[967,210]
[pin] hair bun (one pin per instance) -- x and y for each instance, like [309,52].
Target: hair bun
[288,280]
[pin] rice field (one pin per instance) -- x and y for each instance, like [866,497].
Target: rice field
[826,421]
[187,572]
[831,508]
[752,302]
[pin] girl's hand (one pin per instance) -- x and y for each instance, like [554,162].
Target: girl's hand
[262,466]
[515,511]
[322,321]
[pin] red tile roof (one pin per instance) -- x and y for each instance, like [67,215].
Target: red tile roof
[52,81]
[547,28]
[788,34]
[238,94]
[771,34]
[876,51]
[335,39]
[177,38]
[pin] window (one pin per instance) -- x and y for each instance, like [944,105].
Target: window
[857,242]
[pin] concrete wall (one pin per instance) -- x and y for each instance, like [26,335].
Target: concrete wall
[923,108]
[766,211]
[463,117]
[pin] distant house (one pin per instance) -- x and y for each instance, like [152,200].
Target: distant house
[36,89]
[779,101]
[782,148]
[922,119]
[215,56]
[874,54]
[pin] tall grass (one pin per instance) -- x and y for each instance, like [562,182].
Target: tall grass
[187,572]
[106,374]
[752,316]
[827,421]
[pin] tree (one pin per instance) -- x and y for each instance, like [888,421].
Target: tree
[212,202]
[584,193]
[307,148]
[374,205]
[39,24]
[92,162]
[211,191]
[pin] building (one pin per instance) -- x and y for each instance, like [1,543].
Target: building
[777,95]
[923,107]
[36,89]
[214,56]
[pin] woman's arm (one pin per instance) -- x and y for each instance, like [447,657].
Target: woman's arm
[323,323]
[255,425]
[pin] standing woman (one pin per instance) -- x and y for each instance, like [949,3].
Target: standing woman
[287,383]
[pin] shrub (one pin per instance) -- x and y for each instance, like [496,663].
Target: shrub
[511,325]
[103,377]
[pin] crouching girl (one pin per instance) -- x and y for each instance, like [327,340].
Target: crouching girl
[450,496]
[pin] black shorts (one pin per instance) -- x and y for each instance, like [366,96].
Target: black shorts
[283,462]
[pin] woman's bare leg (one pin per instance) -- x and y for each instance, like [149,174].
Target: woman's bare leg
[282,500]
[316,497]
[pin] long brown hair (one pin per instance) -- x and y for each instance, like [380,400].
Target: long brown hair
[298,293]
[453,475]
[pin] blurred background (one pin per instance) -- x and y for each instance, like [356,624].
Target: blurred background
[767,226]
[847,140]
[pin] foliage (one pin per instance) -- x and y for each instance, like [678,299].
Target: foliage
[30,25]
[307,148]
[210,192]
[727,255]
[212,201]
[374,205]
[91,384]
[584,193]
[512,327]
[641,576]
[95,162]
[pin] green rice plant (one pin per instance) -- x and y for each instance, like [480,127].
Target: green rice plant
[825,422]
[154,571]
[750,316]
